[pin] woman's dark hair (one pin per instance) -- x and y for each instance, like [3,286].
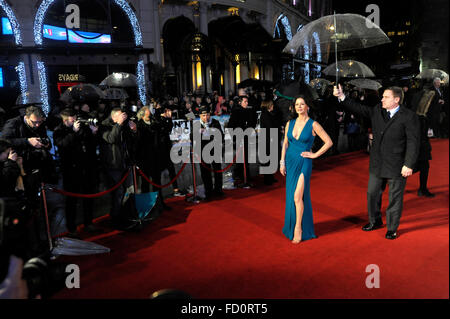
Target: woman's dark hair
[308,102]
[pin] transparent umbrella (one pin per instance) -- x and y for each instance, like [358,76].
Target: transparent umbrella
[349,69]
[366,84]
[429,74]
[82,93]
[120,79]
[339,31]
[115,94]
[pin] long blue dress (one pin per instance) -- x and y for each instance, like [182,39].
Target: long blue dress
[295,166]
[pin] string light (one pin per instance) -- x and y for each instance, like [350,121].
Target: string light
[133,20]
[20,69]
[43,86]
[39,20]
[307,69]
[319,54]
[14,23]
[287,27]
[141,81]
[123,4]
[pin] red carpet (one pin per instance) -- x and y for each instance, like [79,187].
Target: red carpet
[234,248]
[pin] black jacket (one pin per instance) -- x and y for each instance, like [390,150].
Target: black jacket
[270,120]
[76,149]
[117,145]
[242,118]
[425,146]
[164,127]
[395,140]
[147,155]
[214,124]
[9,172]
[18,132]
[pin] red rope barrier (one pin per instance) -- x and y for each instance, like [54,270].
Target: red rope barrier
[162,186]
[221,170]
[91,195]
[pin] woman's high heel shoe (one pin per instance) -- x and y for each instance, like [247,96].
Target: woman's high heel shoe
[297,241]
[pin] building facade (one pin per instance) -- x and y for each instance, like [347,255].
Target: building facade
[170,45]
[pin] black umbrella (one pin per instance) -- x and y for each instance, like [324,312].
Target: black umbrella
[258,85]
[84,92]
[285,97]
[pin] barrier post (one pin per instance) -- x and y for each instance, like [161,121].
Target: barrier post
[47,223]
[135,180]
[193,198]
[246,184]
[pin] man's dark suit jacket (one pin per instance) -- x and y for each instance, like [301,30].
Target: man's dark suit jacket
[395,140]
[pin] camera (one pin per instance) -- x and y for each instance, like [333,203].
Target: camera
[43,276]
[90,121]
[44,140]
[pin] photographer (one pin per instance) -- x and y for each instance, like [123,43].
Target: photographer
[29,139]
[164,124]
[146,152]
[118,135]
[77,142]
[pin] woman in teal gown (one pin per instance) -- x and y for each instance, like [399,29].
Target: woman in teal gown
[296,165]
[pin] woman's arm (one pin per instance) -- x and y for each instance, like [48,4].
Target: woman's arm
[318,129]
[283,150]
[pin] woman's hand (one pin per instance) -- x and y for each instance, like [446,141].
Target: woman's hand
[308,155]
[283,170]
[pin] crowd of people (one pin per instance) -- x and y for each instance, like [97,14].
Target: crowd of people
[98,142]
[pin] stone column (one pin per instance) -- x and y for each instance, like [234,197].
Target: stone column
[203,9]
[158,58]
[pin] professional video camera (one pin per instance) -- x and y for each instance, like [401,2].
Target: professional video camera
[43,276]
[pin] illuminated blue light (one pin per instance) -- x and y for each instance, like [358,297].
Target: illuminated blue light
[307,69]
[43,86]
[20,69]
[319,53]
[54,33]
[141,81]
[15,26]
[6,26]
[286,26]
[1,77]
[45,4]
[88,37]
[60,34]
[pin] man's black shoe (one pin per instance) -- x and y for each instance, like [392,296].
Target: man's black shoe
[391,234]
[370,226]
[425,193]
